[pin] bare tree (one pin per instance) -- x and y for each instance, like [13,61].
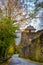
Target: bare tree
[14,10]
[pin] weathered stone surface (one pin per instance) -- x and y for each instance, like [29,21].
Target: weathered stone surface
[32,48]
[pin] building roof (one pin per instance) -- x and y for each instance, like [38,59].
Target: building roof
[31,27]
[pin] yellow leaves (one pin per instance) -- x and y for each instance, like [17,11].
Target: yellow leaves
[11,49]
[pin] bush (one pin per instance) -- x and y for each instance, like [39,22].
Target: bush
[7,36]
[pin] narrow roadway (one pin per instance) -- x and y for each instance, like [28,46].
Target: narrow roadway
[15,60]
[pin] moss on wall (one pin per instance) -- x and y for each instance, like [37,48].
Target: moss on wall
[34,50]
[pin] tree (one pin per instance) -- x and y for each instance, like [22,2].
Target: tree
[1,13]
[7,35]
[13,7]
[38,5]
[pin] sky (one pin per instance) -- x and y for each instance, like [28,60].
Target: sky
[28,4]
[29,7]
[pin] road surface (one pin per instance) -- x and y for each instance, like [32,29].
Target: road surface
[15,60]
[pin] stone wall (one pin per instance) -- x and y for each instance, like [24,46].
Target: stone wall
[32,49]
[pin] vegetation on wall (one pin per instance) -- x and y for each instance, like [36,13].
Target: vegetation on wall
[33,51]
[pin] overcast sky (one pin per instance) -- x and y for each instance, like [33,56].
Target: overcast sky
[29,5]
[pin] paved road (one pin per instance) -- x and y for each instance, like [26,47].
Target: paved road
[15,60]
